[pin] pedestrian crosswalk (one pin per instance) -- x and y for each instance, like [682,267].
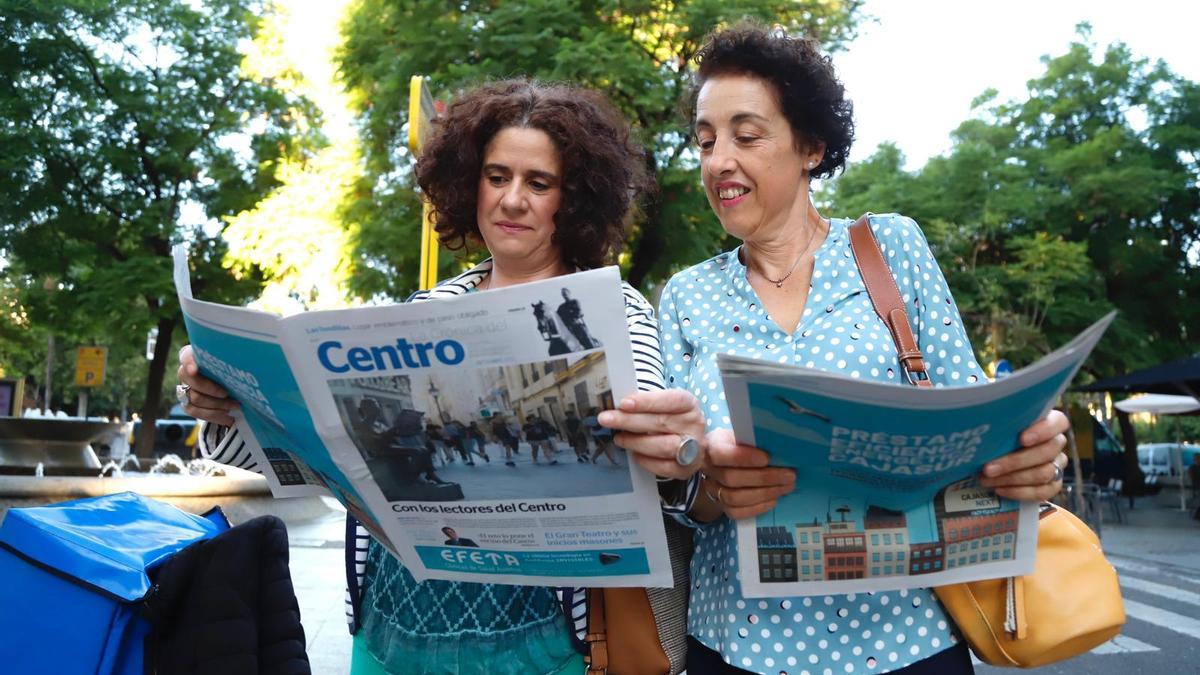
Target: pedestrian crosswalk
[1161,604]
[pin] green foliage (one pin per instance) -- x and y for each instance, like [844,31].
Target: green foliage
[129,127]
[1050,210]
[637,53]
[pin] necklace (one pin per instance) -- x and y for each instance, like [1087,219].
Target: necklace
[811,235]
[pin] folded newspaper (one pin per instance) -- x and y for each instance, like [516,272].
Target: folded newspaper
[461,432]
[886,493]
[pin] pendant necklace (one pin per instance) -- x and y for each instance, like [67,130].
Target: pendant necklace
[811,235]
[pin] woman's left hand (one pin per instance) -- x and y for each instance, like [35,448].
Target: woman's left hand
[1033,473]
[652,424]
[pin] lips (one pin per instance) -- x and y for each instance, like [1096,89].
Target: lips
[511,227]
[730,193]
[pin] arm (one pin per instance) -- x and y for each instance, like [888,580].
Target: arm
[652,422]
[209,403]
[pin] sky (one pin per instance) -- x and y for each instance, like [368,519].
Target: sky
[913,73]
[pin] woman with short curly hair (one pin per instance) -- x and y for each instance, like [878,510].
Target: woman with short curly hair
[544,177]
[769,116]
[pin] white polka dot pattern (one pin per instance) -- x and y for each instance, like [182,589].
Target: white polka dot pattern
[710,309]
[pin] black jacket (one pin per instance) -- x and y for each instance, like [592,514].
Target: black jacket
[226,606]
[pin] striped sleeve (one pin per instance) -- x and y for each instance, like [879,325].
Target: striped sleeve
[224,445]
[677,496]
[643,334]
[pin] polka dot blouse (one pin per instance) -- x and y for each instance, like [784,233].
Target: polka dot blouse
[711,309]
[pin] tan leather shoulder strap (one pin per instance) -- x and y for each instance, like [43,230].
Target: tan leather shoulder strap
[885,297]
[597,633]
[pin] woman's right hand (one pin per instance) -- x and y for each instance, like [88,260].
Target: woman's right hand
[206,399]
[738,481]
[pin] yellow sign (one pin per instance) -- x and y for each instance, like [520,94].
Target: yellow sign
[421,112]
[89,366]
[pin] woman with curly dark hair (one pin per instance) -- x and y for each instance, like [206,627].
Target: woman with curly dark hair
[769,117]
[544,177]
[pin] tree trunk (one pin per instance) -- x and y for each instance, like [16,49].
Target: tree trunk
[651,244]
[144,446]
[1134,481]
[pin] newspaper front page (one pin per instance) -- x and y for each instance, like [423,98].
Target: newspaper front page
[461,432]
[886,493]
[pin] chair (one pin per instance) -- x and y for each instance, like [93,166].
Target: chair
[1110,494]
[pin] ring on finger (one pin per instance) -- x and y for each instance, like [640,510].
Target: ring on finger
[688,452]
[1058,472]
[181,394]
[708,493]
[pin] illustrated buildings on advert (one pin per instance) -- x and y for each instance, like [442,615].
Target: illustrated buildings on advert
[887,547]
[810,551]
[970,530]
[776,554]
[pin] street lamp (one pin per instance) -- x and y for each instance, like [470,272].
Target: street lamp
[433,393]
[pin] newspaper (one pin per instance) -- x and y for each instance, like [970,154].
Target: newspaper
[461,432]
[886,493]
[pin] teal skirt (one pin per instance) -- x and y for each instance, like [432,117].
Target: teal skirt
[454,628]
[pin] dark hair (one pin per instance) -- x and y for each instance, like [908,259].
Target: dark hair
[806,86]
[603,168]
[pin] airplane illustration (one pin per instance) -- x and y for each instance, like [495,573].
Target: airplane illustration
[798,409]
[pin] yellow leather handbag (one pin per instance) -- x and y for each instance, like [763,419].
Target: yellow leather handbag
[1072,601]
[1070,604]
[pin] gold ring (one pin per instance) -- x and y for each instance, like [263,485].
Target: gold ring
[719,500]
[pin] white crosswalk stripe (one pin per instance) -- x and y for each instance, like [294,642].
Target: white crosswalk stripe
[1123,644]
[1178,594]
[1179,623]
[1124,565]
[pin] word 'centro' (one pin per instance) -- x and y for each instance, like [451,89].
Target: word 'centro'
[403,354]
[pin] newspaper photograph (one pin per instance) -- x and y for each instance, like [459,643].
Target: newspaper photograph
[886,493]
[461,431]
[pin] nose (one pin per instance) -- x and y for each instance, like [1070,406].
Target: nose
[721,159]
[513,199]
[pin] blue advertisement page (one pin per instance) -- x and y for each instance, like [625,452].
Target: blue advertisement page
[887,494]
[897,457]
[256,373]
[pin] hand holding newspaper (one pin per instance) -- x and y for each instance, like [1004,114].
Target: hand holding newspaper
[886,494]
[455,430]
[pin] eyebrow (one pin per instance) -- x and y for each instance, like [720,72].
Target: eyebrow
[495,166]
[738,118]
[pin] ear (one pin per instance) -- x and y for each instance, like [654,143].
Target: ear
[812,154]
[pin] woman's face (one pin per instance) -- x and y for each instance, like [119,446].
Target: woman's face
[520,190]
[753,174]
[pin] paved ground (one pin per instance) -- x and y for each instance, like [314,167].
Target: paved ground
[567,478]
[1156,552]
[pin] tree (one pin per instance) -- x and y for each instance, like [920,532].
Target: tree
[129,127]
[1050,210]
[638,53]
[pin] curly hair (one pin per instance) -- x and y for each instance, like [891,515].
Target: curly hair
[603,167]
[806,86]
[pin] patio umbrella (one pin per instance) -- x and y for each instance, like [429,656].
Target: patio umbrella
[1159,404]
[1162,404]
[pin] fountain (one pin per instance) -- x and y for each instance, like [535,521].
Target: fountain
[52,457]
[53,441]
